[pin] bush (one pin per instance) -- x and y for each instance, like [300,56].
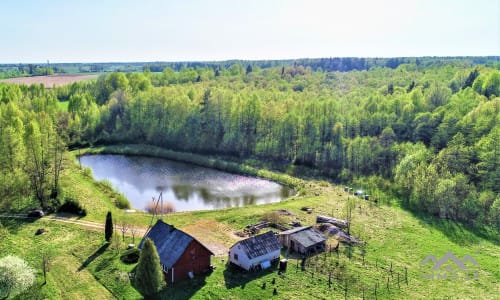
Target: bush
[72,206]
[122,202]
[153,207]
[87,172]
[131,256]
[16,276]
[106,184]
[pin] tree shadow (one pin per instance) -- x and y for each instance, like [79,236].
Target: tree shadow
[235,276]
[13,225]
[62,214]
[184,289]
[459,233]
[94,255]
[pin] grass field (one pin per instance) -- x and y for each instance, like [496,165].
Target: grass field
[397,241]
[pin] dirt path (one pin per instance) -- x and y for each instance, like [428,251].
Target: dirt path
[87,224]
[209,232]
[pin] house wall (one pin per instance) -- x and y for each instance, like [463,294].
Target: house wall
[269,256]
[195,258]
[285,240]
[243,260]
[246,263]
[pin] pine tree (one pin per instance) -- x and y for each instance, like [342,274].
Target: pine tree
[108,229]
[149,276]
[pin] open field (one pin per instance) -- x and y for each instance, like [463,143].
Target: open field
[50,80]
[397,241]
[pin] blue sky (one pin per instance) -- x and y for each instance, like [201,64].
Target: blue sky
[175,30]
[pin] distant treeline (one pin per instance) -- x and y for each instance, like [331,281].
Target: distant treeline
[342,64]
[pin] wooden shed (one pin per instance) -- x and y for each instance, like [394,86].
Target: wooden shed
[303,240]
[256,252]
[181,255]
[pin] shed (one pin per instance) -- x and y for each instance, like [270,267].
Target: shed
[181,255]
[256,252]
[303,240]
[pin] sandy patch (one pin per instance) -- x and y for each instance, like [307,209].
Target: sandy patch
[217,237]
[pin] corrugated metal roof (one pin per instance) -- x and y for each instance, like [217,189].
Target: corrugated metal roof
[169,241]
[260,244]
[308,237]
[293,230]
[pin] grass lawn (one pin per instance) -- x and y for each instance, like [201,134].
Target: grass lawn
[64,280]
[388,267]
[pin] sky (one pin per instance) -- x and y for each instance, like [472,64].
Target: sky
[34,31]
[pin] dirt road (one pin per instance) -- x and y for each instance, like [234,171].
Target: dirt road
[217,248]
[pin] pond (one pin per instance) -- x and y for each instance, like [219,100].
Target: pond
[184,186]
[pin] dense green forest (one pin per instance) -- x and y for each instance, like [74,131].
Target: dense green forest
[316,64]
[426,133]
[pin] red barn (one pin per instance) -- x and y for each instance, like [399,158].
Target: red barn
[181,255]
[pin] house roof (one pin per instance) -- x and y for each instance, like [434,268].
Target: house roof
[294,230]
[170,242]
[260,244]
[306,236]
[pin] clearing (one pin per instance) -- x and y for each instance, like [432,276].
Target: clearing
[50,81]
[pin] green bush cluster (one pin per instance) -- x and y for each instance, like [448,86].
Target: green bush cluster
[131,256]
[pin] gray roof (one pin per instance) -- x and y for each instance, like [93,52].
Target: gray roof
[306,236]
[293,230]
[260,244]
[169,241]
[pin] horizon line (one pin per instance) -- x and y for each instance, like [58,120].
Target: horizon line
[247,60]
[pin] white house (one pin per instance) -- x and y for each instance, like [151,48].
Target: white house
[256,252]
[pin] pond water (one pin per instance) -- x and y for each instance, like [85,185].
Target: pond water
[187,187]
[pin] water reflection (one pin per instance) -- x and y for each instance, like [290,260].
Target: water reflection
[186,186]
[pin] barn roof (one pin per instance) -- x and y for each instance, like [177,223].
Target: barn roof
[170,242]
[294,230]
[260,244]
[306,236]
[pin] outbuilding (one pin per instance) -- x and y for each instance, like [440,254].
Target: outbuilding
[303,240]
[256,252]
[181,255]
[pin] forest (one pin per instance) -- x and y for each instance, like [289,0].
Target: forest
[424,132]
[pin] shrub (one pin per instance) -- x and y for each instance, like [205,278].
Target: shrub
[87,172]
[16,276]
[72,206]
[131,256]
[167,208]
[122,202]
[273,217]
[106,184]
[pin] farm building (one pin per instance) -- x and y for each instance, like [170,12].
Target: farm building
[303,240]
[181,255]
[256,252]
